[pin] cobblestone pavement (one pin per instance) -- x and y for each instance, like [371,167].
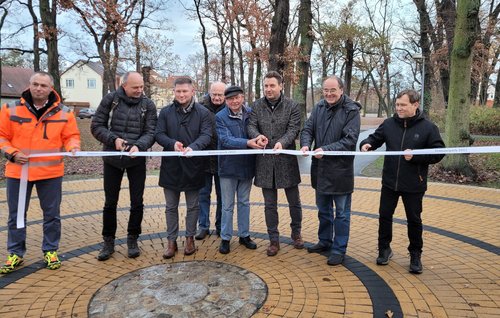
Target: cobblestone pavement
[461,257]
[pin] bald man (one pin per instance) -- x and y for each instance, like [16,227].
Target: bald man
[214,102]
[124,121]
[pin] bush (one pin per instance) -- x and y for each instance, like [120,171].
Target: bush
[484,121]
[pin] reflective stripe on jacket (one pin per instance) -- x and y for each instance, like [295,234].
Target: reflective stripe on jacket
[21,131]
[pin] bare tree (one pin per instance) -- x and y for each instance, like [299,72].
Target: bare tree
[198,8]
[106,22]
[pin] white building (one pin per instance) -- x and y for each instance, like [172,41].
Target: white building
[81,84]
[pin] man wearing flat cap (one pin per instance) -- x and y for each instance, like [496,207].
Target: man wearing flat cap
[236,171]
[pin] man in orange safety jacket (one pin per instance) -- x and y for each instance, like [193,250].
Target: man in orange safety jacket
[36,123]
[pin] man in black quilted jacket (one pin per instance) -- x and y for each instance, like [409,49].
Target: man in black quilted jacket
[404,176]
[125,121]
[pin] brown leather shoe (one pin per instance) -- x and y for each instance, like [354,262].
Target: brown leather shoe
[189,248]
[273,248]
[298,243]
[171,249]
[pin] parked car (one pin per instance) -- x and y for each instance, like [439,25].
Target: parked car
[86,113]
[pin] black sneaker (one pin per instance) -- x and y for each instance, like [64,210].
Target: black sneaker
[247,241]
[384,254]
[202,233]
[415,263]
[335,259]
[224,247]
[319,247]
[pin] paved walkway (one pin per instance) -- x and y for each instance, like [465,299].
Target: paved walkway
[461,257]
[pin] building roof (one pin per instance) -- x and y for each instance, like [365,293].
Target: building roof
[96,67]
[15,80]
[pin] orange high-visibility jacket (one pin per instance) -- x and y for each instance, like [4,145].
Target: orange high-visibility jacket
[20,130]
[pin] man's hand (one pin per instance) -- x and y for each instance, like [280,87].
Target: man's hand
[132,150]
[74,150]
[20,158]
[120,144]
[304,150]
[186,150]
[178,146]
[366,147]
[252,143]
[408,156]
[318,153]
[262,141]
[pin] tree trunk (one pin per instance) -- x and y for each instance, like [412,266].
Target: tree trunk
[277,42]
[36,37]
[204,43]
[48,15]
[231,55]
[306,43]
[349,62]
[457,116]
[138,63]
[425,46]
[496,102]
[258,75]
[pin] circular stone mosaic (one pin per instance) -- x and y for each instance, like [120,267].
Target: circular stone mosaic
[185,289]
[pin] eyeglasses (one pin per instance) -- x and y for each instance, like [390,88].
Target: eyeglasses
[330,91]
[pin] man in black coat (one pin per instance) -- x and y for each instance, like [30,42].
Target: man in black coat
[183,126]
[214,102]
[124,121]
[404,176]
[333,126]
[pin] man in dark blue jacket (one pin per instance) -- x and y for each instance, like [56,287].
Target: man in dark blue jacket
[237,171]
[404,176]
[183,126]
[333,126]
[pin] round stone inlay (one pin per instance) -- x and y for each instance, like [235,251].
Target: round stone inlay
[185,289]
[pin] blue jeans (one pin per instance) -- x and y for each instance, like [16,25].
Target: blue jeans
[336,229]
[49,193]
[230,187]
[204,197]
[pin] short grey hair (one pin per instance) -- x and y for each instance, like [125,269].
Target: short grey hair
[42,73]
[126,75]
[338,79]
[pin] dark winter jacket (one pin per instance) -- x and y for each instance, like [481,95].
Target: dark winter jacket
[132,119]
[400,134]
[214,109]
[192,129]
[279,125]
[333,128]
[232,134]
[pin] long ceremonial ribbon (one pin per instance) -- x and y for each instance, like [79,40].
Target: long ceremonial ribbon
[198,153]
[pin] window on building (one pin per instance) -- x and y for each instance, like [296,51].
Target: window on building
[91,83]
[70,83]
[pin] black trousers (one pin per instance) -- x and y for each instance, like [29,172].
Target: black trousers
[413,208]
[112,184]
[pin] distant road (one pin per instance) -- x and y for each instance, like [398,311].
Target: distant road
[360,162]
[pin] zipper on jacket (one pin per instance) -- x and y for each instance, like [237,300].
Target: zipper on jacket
[399,158]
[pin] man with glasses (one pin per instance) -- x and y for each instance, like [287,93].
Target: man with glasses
[333,126]
[404,176]
[214,102]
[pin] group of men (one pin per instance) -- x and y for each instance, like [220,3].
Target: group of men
[126,121]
